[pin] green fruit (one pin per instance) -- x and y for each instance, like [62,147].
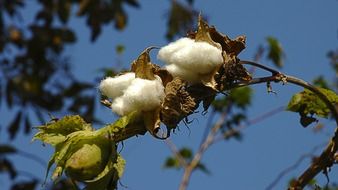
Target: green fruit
[89,158]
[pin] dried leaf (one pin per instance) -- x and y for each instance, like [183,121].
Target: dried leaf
[203,35]
[177,104]
[142,67]
[231,71]
[165,76]
[152,121]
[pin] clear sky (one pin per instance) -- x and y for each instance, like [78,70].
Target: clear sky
[307,30]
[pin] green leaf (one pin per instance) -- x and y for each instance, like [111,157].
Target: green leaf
[119,165]
[241,97]
[321,82]
[276,53]
[203,168]
[120,49]
[171,162]
[308,103]
[115,129]
[186,153]
[55,132]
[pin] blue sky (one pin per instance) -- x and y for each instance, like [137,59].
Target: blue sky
[307,30]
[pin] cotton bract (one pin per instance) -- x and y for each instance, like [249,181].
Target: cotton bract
[130,94]
[189,59]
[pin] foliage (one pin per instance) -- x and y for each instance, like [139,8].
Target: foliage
[186,154]
[275,51]
[307,104]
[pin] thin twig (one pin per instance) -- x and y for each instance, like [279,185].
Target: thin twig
[207,126]
[175,151]
[204,146]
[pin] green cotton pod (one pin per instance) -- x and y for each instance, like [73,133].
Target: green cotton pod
[89,158]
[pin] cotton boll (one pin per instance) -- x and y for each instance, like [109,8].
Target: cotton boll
[122,106]
[166,52]
[199,56]
[142,94]
[189,60]
[113,87]
[183,73]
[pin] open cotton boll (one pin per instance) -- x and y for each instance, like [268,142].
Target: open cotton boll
[183,73]
[122,106]
[166,52]
[201,57]
[142,94]
[113,87]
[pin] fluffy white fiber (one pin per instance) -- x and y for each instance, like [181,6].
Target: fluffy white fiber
[113,87]
[135,94]
[142,95]
[190,58]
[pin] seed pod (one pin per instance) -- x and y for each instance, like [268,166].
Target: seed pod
[89,158]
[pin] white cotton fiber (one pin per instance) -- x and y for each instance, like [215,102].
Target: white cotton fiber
[165,53]
[188,55]
[142,95]
[113,87]
[183,73]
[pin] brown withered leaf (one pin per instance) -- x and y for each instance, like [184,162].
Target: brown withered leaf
[177,104]
[203,34]
[230,72]
[142,67]
[201,93]
[165,76]
[228,45]
[209,79]
[152,120]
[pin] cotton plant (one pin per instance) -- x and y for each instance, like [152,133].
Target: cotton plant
[197,68]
